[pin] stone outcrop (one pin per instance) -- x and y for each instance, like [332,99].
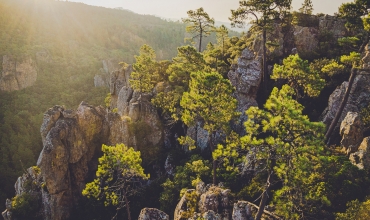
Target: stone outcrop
[7,214]
[102,79]
[359,97]
[17,75]
[213,202]
[333,24]
[152,214]
[361,158]
[305,39]
[136,108]
[71,140]
[30,183]
[351,130]
[246,77]
[242,210]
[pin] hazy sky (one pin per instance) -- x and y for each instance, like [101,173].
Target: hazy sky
[218,9]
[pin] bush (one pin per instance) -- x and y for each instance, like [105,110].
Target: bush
[26,205]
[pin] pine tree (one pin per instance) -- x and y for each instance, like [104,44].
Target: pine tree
[200,25]
[141,80]
[307,7]
[119,172]
[285,146]
[264,14]
[209,99]
[299,76]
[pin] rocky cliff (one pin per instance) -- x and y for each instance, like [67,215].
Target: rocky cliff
[303,38]
[16,75]
[72,141]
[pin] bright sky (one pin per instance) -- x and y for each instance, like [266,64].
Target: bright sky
[218,9]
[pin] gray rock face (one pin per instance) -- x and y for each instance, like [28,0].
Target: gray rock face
[17,75]
[134,107]
[71,141]
[361,158]
[305,39]
[213,203]
[102,79]
[351,132]
[7,214]
[333,24]
[358,99]
[246,77]
[199,135]
[152,214]
[242,211]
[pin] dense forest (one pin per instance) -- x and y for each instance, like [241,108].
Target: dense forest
[275,153]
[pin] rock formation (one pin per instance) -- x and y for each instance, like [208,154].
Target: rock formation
[242,211]
[246,77]
[102,79]
[214,202]
[361,158]
[152,214]
[351,130]
[72,141]
[304,39]
[16,74]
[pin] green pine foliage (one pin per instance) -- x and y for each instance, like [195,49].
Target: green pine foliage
[141,80]
[307,7]
[299,76]
[200,25]
[285,144]
[118,170]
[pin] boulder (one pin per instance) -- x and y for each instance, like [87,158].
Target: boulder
[242,211]
[213,202]
[211,215]
[361,158]
[351,132]
[181,207]
[305,39]
[17,75]
[152,214]
[209,201]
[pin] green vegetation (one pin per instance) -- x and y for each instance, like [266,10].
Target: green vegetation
[278,158]
[200,25]
[118,176]
[299,76]
[288,152]
[210,100]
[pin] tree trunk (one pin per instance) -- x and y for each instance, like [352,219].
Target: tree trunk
[214,162]
[127,206]
[264,197]
[200,42]
[264,74]
[341,107]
